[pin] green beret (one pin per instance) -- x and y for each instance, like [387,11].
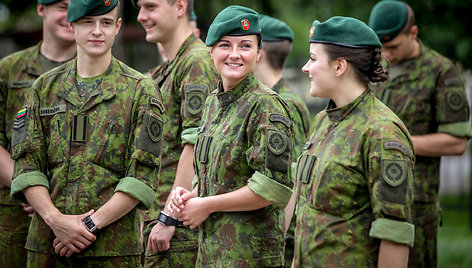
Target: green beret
[388,18]
[233,20]
[274,29]
[193,16]
[344,31]
[80,8]
[47,2]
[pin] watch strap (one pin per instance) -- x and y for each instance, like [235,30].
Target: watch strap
[91,225]
[167,220]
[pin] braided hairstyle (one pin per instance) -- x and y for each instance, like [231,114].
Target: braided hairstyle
[365,61]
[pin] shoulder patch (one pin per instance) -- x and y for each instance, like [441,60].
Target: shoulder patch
[395,145]
[280,118]
[52,110]
[277,141]
[199,87]
[156,102]
[394,172]
[195,96]
[154,128]
[20,120]
[455,100]
[453,82]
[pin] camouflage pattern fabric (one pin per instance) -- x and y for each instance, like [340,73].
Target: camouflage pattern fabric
[354,186]
[244,139]
[14,223]
[428,95]
[426,238]
[36,259]
[17,73]
[185,83]
[182,252]
[299,113]
[84,152]
[301,118]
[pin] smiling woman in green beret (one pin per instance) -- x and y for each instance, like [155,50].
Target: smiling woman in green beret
[355,175]
[242,156]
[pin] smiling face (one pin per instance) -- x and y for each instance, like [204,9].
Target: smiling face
[95,35]
[235,57]
[158,18]
[55,22]
[321,72]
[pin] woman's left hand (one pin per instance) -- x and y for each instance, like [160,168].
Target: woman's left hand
[195,212]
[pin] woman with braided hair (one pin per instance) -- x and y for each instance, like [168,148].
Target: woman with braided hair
[355,175]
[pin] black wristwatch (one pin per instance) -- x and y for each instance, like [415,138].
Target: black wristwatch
[167,220]
[91,225]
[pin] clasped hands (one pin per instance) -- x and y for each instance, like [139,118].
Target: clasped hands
[72,236]
[188,208]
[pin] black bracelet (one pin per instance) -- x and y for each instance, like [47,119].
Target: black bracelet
[167,220]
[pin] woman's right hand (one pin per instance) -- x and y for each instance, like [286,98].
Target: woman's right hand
[178,198]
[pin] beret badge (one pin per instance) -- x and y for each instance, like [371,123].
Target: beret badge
[245,24]
[312,31]
[107,2]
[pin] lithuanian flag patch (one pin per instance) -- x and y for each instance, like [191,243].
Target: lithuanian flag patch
[21,113]
[20,120]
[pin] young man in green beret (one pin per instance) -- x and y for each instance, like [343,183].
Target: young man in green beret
[96,156]
[185,78]
[17,73]
[425,91]
[277,38]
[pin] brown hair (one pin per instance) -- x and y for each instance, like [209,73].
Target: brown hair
[277,52]
[365,61]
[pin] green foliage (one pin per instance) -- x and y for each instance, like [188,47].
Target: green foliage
[455,236]
[444,24]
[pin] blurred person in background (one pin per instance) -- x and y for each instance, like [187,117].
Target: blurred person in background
[277,39]
[17,73]
[185,79]
[424,89]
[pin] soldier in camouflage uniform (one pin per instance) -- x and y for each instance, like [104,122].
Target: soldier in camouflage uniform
[355,175]
[185,78]
[277,38]
[242,157]
[425,91]
[87,150]
[17,73]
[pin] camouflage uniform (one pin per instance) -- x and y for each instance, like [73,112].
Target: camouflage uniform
[300,116]
[244,140]
[17,73]
[427,94]
[354,186]
[185,83]
[84,152]
[299,113]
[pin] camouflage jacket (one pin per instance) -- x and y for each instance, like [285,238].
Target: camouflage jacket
[429,97]
[185,83]
[244,139]
[84,152]
[354,186]
[299,113]
[17,73]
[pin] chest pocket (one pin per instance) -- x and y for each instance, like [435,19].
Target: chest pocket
[340,190]
[58,136]
[109,145]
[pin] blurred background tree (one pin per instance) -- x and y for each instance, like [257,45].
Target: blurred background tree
[444,24]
